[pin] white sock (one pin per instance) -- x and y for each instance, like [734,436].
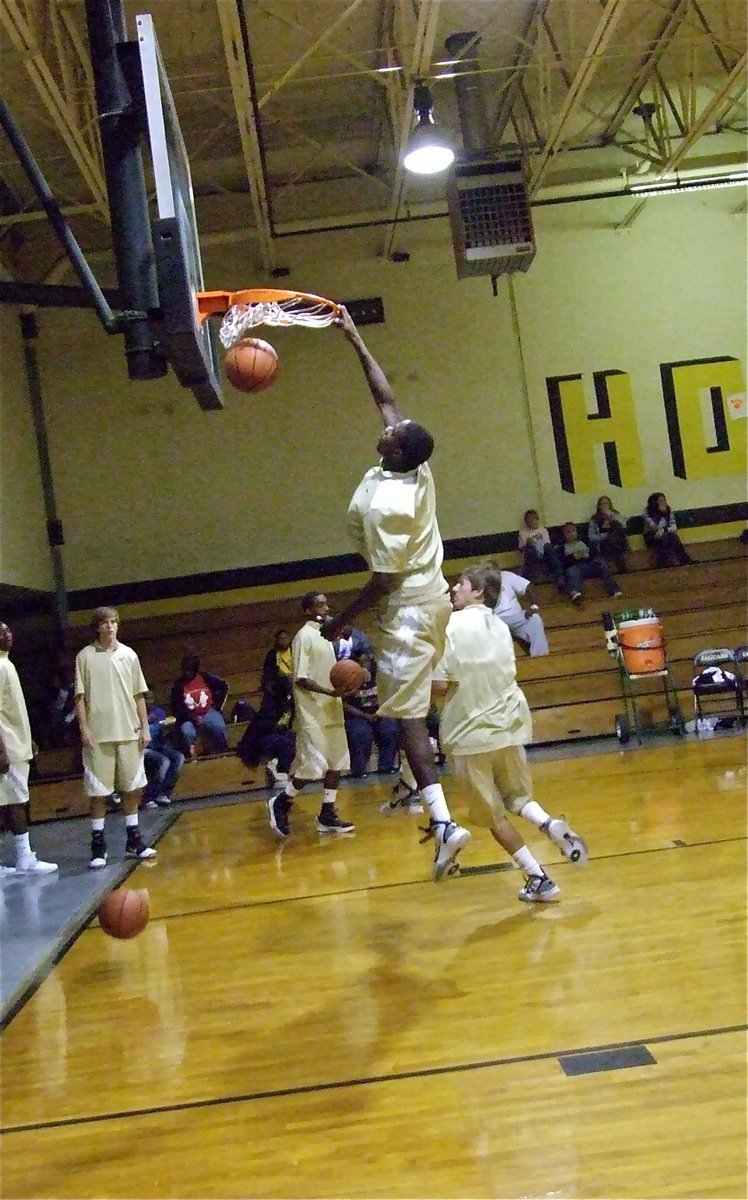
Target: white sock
[23,845]
[525,860]
[329,795]
[131,821]
[535,814]
[97,824]
[434,797]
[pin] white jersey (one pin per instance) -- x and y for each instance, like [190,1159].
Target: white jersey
[110,681]
[392,522]
[14,717]
[512,587]
[313,658]
[484,709]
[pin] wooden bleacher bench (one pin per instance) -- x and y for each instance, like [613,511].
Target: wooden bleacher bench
[53,763]
[54,798]
[217,774]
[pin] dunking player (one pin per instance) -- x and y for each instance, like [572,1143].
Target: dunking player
[392,521]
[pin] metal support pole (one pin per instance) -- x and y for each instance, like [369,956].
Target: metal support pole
[120,121]
[55,538]
[64,233]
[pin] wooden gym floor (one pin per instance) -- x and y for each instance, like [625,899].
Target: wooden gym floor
[317,1019]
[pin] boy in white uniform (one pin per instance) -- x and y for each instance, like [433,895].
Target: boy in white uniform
[528,625]
[113,720]
[485,725]
[16,751]
[321,742]
[392,522]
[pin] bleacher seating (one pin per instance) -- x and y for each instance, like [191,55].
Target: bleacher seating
[574,692]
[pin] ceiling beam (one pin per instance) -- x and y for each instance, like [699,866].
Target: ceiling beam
[612,14]
[310,50]
[528,38]
[361,67]
[402,110]
[29,216]
[65,119]
[75,63]
[240,74]
[332,153]
[715,42]
[647,66]
[722,100]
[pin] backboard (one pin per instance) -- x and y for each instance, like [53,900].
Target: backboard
[188,344]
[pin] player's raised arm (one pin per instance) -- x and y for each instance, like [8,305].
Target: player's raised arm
[375,376]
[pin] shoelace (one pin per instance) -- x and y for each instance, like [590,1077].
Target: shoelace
[533,883]
[430,831]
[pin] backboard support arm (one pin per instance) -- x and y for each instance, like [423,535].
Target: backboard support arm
[112,322]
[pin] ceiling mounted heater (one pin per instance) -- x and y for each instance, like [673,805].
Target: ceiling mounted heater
[489,210]
[489,205]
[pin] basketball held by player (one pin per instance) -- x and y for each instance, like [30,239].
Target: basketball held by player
[321,743]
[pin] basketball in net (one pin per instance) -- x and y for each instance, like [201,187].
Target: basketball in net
[251,365]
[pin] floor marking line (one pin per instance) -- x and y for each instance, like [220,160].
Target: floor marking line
[368,1080]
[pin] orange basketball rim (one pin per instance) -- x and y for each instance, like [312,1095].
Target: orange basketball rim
[246,309]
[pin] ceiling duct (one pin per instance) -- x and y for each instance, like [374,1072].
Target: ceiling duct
[470,104]
[489,205]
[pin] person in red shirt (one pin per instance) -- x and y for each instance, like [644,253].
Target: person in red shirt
[196,701]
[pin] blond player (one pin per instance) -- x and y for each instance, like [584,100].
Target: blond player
[113,720]
[15,754]
[392,522]
[321,743]
[485,725]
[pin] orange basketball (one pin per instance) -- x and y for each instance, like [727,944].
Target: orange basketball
[124,912]
[251,365]
[347,676]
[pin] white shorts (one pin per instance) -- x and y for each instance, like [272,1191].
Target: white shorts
[496,781]
[411,642]
[14,785]
[325,750]
[113,764]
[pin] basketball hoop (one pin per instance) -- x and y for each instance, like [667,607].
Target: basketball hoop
[264,306]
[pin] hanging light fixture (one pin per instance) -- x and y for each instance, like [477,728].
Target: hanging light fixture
[429,148]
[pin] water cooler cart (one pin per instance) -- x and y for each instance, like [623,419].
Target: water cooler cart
[636,640]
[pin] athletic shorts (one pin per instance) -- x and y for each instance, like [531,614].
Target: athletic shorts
[496,781]
[111,766]
[325,750]
[410,643]
[14,786]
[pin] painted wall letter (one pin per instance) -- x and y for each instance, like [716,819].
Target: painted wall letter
[704,404]
[577,433]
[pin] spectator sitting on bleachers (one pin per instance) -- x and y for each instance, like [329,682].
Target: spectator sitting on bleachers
[364,729]
[579,565]
[57,711]
[196,701]
[162,762]
[352,643]
[607,533]
[278,663]
[538,550]
[269,734]
[523,619]
[660,534]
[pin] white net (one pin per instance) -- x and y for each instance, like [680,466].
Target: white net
[297,311]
